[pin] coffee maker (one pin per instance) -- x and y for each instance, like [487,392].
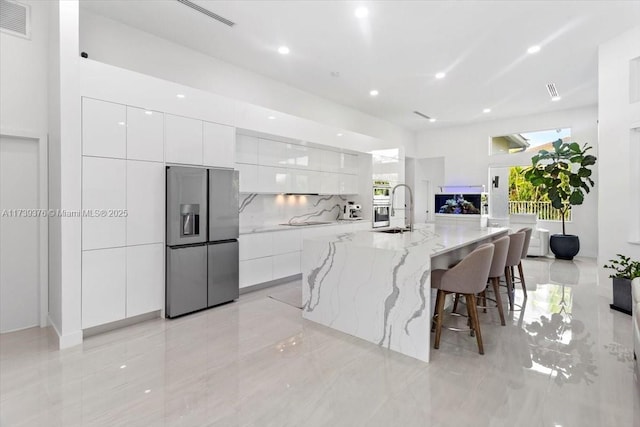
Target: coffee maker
[352,212]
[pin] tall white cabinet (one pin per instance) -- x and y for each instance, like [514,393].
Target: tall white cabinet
[123,180]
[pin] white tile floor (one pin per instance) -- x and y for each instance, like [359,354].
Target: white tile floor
[565,361]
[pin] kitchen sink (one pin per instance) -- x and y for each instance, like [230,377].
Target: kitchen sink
[393,230]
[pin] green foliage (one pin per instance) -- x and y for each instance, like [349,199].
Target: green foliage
[624,267]
[521,190]
[563,175]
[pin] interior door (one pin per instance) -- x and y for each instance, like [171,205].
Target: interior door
[19,234]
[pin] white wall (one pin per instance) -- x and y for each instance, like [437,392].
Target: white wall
[111,42]
[466,155]
[619,159]
[65,172]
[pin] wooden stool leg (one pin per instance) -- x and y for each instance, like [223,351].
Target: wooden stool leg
[507,277]
[496,290]
[469,318]
[524,287]
[439,313]
[435,314]
[471,301]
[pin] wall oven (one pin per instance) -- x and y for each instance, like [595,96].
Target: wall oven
[381,214]
[381,194]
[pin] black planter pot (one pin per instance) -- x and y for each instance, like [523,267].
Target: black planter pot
[621,295]
[565,246]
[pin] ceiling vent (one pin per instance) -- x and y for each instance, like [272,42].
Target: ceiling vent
[15,18]
[553,92]
[424,116]
[207,12]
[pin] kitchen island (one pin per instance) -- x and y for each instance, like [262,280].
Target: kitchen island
[376,285]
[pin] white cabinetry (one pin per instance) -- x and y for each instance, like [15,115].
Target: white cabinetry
[348,184]
[183,140]
[273,180]
[145,135]
[248,178]
[349,163]
[103,286]
[255,245]
[272,153]
[104,127]
[104,193]
[330,183]
[145,279]
[145,202]
[303,181]
[247,149]
[219,145]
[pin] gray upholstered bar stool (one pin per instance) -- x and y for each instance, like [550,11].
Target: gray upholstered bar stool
[514,255]
[497,270]
[525,248]
[468,277]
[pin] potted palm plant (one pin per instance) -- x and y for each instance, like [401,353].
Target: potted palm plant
[624,271]
[564,175]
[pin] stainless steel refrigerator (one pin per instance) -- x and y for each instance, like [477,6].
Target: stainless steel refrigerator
[202,238]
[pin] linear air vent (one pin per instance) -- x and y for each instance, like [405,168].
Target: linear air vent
[14,18]
[424,116]
[553,92]
[207,12]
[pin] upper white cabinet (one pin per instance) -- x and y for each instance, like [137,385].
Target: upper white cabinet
[302,157]
[330,183]
[272,153]
[348,184]
[303,181]
[104,192]
[145,202]
[349,163]
[273,180]
[145,135]
[248,178]
[183,140]
[330,161]
[246,149]
[219,149]
[104,129]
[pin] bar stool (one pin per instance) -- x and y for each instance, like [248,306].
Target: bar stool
[497,270]
[516,242]
[469,277]
[525,249]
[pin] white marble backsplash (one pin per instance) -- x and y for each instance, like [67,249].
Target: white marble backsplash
[260,210]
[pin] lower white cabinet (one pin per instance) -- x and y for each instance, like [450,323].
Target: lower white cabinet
[254,271]
[258,245]
[145,279]
[103,286]
[286,265]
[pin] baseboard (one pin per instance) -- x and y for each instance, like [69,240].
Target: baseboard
[89,332]
[270,283]
[68,340]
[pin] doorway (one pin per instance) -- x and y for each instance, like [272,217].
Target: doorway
[20,233]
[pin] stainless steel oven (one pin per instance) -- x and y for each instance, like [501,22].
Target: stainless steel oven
[381,194]
[381,214]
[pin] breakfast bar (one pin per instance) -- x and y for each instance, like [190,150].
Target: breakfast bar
[375,285]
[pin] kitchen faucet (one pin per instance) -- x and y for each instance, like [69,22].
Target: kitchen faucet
[393,211]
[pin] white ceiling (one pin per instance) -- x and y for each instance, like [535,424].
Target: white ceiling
[400,46]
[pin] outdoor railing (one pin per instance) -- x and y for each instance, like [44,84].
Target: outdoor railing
[544,210]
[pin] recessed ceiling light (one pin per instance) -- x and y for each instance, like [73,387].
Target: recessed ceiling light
[123,366]
[283,50]
[271,117]
[339,134]
[180,95]
[121,123]
[373,92]
[361,12]
[486,110]
[147,391]
[432,119]
[441,75]
[148,113]
[534,49]
[556,98]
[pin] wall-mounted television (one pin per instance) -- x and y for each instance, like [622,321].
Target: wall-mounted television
[461,204]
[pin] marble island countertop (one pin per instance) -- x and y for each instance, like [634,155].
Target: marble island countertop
[434,239]
[376,286]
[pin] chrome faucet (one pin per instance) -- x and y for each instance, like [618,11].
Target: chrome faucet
[393,211]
